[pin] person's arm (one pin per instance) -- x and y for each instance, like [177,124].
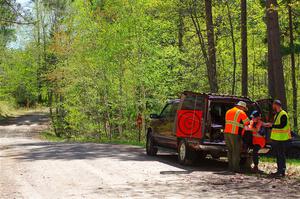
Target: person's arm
[257,128]
[283,122]
[245,119]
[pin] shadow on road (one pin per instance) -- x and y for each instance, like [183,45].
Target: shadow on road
[74,151]
[37,118]
[38,150]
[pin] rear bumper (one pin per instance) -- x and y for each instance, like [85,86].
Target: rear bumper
[220,147]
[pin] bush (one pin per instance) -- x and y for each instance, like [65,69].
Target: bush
[5,109]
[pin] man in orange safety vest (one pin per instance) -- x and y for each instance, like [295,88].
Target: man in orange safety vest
[236,121]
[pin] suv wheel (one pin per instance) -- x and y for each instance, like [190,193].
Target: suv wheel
[150,148]
[183,153]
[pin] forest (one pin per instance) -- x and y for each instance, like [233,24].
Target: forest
[98,64]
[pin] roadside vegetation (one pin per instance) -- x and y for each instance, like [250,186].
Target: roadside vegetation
[291,162]
[5,109]
[50,136]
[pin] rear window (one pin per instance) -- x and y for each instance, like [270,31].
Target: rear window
[193,103]
[218,110]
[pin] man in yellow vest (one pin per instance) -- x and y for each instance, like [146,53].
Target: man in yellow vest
[236,121]
[280,134]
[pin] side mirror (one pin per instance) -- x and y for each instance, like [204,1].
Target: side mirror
[154,116]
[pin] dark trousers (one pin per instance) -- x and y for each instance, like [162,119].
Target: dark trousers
[279,152]
[234,145]
[255,155]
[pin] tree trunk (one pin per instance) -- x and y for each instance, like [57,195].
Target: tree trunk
[180,26]
[38,28]
[199,34]
[233,48]
[244,48]
[121,96]
[212,69]
[275,70]
[294,82]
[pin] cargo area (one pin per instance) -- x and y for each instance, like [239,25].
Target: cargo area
[216,120]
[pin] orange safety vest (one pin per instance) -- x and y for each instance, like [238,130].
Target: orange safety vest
[257,138]
[233,118]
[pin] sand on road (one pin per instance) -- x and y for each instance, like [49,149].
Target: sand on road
[33,168]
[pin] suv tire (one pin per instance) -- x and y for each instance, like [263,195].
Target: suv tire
[184,153]
[150,147]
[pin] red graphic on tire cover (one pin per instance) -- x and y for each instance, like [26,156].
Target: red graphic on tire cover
[189,123]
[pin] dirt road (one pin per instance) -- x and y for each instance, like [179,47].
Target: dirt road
[32,168]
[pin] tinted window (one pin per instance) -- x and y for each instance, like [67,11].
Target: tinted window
[218,112]
[170,111]
[193,103]
[174,110]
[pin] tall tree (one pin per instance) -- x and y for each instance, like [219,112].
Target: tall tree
[212,69]
[180,25]
[8,17]
[200,36]
[275,70]
[294,82]
[38,27]
[244,47]
[233,47]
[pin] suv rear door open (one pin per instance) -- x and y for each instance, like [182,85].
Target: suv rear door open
[190,117]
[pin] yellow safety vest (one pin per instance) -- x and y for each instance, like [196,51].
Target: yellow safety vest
[284,133]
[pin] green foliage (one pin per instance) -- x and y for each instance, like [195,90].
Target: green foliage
[7,15]
[5,109]
[295,162]
[18,79]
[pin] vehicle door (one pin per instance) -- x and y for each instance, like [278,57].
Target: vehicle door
[265,106]
[267,112]
[190,117]
[166,125]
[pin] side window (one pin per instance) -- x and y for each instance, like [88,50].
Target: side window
[166,111]
[170,111]
[174,110]
[193,103]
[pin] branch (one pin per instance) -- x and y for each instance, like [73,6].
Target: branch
[16,22]
[17,12]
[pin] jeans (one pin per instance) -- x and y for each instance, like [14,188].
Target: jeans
[234,144]
[279,152]
[255,155]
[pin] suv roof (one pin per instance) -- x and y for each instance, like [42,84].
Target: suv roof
[218,96]
[171,101]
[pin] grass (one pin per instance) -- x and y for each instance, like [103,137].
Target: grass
[50,136]
[8,109]
[294,162]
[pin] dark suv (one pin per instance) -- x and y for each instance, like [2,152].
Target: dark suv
[193,125]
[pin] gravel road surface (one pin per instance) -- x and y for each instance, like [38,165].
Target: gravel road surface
[32,168]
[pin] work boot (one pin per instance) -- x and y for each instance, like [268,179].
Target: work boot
[255,169]
[278,175]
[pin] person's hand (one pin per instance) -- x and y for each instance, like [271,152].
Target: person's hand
[268,125]
[247,128]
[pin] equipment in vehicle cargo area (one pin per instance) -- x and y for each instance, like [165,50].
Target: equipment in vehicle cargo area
[193,125]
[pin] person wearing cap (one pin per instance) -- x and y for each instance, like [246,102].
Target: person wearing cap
[258,140]
[280,134]
[236,121]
